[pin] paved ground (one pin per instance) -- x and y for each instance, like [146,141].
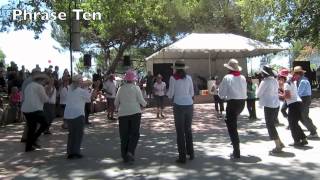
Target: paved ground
[156,151]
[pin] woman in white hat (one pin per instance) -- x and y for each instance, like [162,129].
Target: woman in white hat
[182,92]
[233,88]
[269,99]
[76,99]
[129,100]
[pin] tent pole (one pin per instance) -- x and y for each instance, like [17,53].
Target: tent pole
[209,65]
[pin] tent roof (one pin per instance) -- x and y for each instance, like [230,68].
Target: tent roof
[220,46]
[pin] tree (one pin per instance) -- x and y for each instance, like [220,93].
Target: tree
[147,24]
[282,20]
[2,56]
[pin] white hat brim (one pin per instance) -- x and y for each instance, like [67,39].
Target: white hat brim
[231,68]
[175,67]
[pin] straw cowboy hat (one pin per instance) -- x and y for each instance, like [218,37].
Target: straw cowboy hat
[233,65]
[86,81]
[77,78]
[266,69]
[130,75]
[298,69]
[180,65]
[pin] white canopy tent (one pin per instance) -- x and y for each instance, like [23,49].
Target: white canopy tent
[196,48]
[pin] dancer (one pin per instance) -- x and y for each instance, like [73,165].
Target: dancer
[294,116]
[35,95]
[182,92]
[76,99]
[251,100]
[269,99]
[159,90]
[233,88]
[304,91]
[218,102]
[128,101]
[109,87]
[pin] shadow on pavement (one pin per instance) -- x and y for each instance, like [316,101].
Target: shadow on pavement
[155,154]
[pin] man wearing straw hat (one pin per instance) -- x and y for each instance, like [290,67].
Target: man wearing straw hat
[304,91]
[233,88]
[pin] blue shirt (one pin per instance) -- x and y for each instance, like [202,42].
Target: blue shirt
[304,87]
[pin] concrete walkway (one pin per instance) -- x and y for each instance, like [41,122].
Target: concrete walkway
[157,151]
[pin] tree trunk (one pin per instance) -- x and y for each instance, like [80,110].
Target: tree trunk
[113,66]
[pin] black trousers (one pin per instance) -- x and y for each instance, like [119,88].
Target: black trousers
[294,117]
[305,119]
[33,119]
[183,120]
[234,108]
[218,103]
[271,115]
[251,106]
[87,109]
[284,108]
[129,128]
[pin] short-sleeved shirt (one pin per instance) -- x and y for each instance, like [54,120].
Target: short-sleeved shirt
[292,88]
[159,88]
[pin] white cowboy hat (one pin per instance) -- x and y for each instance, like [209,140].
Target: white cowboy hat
[180,65]
[233,65]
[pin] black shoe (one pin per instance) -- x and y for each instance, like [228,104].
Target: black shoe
[47,132]
[130,157]
[78,156]
[23,140]
[191,157]
[112,119]
[234,156]
[37,146]
[30,149]
[181,161]
[304,142]
[70,156]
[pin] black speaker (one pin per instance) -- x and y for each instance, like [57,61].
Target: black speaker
[126,61]
[87,60]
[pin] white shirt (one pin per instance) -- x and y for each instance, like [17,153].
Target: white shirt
[53,98]
[233,87]
[34,98]
[129,99]
[63,94]
[89,91]
[268,93]
[293,92]
[75,101]
[110,87]
[159,88]
[181,90]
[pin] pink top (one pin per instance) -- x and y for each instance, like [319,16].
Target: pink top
[15,98]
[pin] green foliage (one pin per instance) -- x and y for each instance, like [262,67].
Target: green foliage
[282,20]
[2,56]
[137,27]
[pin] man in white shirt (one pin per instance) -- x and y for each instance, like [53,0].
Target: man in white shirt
[34,98]
[294,115]
[109,87]
[233,88]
